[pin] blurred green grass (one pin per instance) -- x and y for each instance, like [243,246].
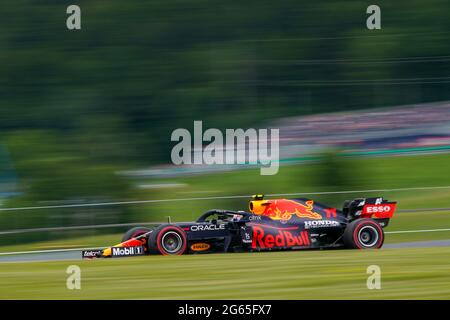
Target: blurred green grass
[405,274]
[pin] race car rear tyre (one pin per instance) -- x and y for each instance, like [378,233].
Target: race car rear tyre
[168,240]
[363,234]
[135,232]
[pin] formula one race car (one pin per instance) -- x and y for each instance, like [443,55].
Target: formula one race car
[279,224]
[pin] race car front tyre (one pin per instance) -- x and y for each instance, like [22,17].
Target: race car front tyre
[363,234]
[135,232]
[168,240]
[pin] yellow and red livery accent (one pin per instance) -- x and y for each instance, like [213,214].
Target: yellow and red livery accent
[284,209]
[129,243]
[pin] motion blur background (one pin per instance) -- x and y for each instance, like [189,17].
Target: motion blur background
[86,116]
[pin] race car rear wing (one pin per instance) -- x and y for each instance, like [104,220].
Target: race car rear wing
[374,208]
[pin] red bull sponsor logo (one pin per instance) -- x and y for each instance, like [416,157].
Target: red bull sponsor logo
[284,209]
[279,238]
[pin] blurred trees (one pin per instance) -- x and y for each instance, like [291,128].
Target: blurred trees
[153,66]
[53,171]
[334,171]
[77,105]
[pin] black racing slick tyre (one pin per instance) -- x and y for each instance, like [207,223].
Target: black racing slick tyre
[168,240]
[363,234]
[135,232]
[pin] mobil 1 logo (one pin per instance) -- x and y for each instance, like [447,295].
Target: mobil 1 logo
[127,251]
